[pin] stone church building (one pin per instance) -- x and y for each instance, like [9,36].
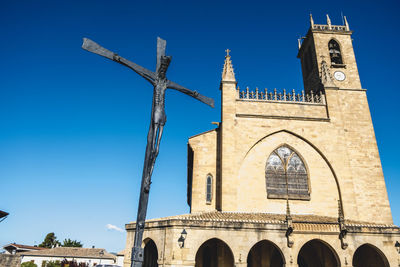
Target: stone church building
[287,178]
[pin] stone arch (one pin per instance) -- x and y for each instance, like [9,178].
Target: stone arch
[315,253]
[150,253]
[368,255]
[315,148]
[214,253]
[265,254]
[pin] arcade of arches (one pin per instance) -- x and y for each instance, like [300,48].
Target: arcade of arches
[315,253]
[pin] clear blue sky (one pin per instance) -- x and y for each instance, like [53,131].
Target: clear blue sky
[73,125]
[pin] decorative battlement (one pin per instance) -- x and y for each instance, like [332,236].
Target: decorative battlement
[282,96]
[328,26]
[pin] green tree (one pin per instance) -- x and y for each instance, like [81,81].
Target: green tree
[28,264]
[71,243]
[50,241]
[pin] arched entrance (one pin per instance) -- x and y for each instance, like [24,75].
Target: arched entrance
[150,254]
[214,253]
[316,253]
[265,254]
[368,255]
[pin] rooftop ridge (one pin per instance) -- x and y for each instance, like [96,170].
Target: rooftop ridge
[71,252]
[269,218]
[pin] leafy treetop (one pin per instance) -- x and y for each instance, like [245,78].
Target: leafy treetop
[71,243]
[50,241]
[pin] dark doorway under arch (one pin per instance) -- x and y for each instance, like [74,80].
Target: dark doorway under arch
[316,253]
[150,254]
[214,253]
[369,256]
[265,254]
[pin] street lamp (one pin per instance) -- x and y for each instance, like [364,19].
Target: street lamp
[181,240]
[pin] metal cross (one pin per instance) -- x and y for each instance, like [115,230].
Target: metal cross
[158,119]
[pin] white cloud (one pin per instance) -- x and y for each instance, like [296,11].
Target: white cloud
[113,227]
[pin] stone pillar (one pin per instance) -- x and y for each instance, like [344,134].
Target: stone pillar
[228,111]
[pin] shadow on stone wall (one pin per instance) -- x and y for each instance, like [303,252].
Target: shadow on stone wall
[7,260]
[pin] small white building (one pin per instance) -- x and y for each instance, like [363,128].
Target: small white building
[90,256]
[120,257]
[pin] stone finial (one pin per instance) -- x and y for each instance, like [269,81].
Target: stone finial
[289,224]
[346,24]
[227,73]
[325,75]
[340,212]
[299,43]
[328,21]
[342,226]
[311,21]
[288,216]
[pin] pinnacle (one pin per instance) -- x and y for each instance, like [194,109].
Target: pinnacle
[228,73]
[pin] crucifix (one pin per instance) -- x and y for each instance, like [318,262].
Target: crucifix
[158,119]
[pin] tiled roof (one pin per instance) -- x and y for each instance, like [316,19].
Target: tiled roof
[71,252]
[217,216]
[23,246]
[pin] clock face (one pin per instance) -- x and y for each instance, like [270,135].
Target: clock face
[340,76]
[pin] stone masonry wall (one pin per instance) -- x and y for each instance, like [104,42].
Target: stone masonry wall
[7,260]
[340,152]
[204,163]
[321,40]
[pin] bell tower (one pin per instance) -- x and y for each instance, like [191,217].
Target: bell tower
[329,45]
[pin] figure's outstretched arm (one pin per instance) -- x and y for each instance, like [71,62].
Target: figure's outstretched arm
[195,94]
[93,47]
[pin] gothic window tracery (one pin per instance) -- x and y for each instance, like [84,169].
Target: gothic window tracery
[285,174]
[209,188]
[334,53]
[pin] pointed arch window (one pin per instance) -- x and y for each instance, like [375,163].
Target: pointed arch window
[334,53]
[209,189]
[286,175]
